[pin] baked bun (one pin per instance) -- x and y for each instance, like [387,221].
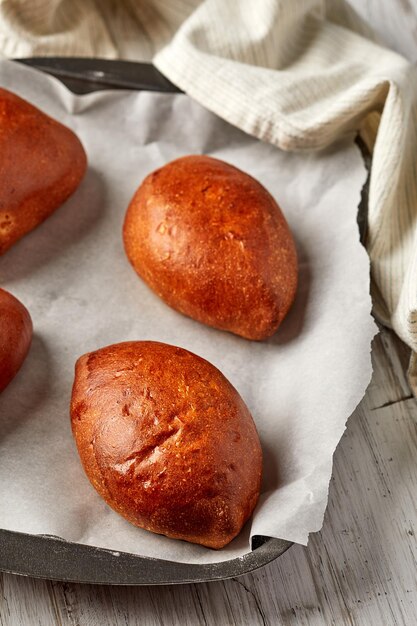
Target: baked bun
[213,243]
[15,336]
[41,164]
[167,441]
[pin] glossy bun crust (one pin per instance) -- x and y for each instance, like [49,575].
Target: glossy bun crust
[213,243]
[167,441]
[15,336]
[41,164]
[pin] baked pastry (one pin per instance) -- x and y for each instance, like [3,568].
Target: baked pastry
[213,243]
[41,164]
[166,440]
[15,336]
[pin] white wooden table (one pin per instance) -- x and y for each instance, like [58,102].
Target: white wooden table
[361,569]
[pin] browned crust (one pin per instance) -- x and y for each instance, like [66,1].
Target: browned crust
[167,441]
[213,243]
[15,336]
[41,164]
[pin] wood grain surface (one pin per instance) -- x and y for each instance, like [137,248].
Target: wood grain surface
[361,569]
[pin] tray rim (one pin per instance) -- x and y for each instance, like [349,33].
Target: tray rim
[53,558]
[61,559]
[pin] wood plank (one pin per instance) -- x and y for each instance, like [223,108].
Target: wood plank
[27,602]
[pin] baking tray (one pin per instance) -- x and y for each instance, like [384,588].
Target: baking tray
[45,556]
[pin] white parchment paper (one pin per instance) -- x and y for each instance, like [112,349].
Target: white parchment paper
[72,274]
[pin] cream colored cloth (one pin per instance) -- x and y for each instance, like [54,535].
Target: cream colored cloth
[296,73]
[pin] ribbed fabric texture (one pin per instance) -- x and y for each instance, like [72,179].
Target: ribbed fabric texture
[297,73]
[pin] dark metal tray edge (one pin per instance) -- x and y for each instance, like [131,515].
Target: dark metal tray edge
[44,556]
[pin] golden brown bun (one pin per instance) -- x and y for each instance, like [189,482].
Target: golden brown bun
[15,336]
[213,243]
[41,164]
[166,440]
